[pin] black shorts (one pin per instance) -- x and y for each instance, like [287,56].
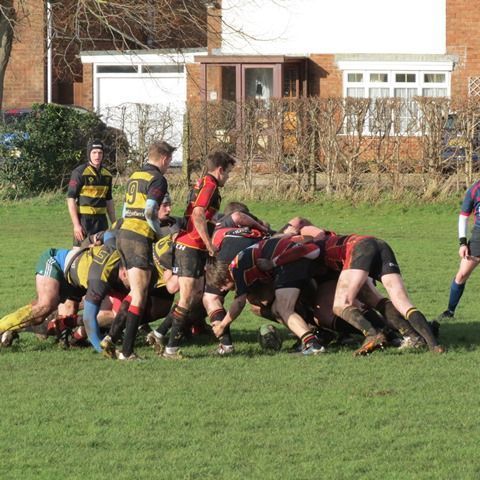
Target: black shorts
[474,243]
[293,275]
[373,256]
[91,224]
[136,250]
[188,262]
[215,291]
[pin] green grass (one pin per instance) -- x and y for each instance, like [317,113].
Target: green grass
[72,414]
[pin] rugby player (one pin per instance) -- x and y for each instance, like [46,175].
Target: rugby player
[358,257]
[144,193]
[469,251]
[282,261]
[89,196]
[237,229]
[194,244]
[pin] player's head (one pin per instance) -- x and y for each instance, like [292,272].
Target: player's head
[220,164]
[165,208]
[217,275]
[160,154]
[232,207]
[95,151]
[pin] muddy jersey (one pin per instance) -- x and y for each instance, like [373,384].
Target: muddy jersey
[205,194]
[96,269]
[145,184]
[337,249]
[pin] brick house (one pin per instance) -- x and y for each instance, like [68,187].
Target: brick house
[265,49]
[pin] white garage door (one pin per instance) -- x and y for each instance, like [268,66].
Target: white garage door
[145,107]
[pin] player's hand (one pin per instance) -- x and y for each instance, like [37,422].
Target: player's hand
[78,233]
[218,329]
[264,264]
[212,250]
[463,252]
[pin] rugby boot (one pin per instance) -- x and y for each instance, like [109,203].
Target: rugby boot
[157,341]
[224,350]
[131,358]
[7,338]
[172,353]
[371,343]
[313,349]
[108,348]
[446,315]
[439,349]
[412,342]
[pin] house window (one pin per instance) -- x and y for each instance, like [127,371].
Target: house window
[404,85]
[378,77]
[117,68]
[405,77]
[162,69]
[355,77]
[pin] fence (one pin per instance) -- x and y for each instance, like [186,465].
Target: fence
[339,145]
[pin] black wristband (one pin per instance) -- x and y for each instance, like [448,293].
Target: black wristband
[462,241]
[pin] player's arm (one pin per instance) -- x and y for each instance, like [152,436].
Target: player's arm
[306,250]
[111,211]
[233,313]
[200,222]
[465,212]
[244,220]
[74,187]
[151,215]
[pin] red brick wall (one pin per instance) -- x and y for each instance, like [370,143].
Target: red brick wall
[463,39]
[83,91]
[325,79]
[25,78]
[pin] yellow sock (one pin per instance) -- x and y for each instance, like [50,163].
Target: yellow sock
[16,320]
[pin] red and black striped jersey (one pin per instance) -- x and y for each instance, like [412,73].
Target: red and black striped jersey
[205,194]
[282,250]
[337,249]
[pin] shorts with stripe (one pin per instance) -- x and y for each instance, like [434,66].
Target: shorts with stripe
[47,266]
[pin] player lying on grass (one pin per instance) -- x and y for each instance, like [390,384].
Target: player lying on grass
[65,276]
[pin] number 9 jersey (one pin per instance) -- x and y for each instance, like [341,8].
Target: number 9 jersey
[148,183]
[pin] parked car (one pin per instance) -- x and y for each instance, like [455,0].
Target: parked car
[456,145]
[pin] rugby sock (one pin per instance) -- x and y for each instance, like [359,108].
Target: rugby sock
[17,319]
[354,317]
[166,325]
[456,292]
[133,317]
[118,324]
[217,316]
[308,339]
[420,324]
[394,318]
[179,319]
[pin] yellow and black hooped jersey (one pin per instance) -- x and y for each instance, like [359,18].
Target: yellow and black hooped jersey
[145,184]
[162,259]
[96,269]
[91,188]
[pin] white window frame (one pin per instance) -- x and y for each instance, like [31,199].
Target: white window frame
[391,69]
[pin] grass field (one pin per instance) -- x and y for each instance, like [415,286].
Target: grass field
[72,414]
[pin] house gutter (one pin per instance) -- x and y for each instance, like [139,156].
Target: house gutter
[49,52]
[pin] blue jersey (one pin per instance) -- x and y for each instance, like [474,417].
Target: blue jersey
[471,203]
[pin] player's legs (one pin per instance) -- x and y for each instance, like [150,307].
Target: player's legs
[349,284]
[397,292]
[457,287]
